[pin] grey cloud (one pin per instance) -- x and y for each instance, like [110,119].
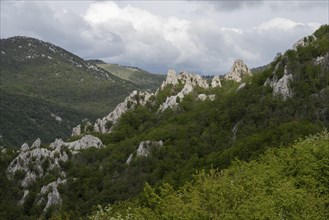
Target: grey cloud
[232,5]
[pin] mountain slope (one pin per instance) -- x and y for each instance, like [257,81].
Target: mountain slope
[189,124]
[289,182]
[40,70]
[142,78]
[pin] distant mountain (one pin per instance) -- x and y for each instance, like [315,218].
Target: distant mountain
[145,80]
[48,74]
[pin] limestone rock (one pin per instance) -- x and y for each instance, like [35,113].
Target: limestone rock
[203,97]
[322,61]
[76,131]
[84,143]
[145,147]
[129,159]
[304,42]
[21,202]
[53,196]
[135,98]
[215,82]
[172,101]
[36,144]
[281,86]
[171,79]
[241,86]
[184,78]
[238,71]
[36,161]
[24,147]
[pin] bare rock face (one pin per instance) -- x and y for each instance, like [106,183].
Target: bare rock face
[203,97]
[215,82]
[24,147]
[241,86]
[53,196]
[76,131]
[238,71]
[135,98]
[85,142]
[128,161]
[322,61]
[35,162]
[145,147]
[184,78]
[280,86]
[21,202]
[171,79]
[173,101]
[304,42]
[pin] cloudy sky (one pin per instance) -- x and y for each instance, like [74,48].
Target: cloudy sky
[199,36]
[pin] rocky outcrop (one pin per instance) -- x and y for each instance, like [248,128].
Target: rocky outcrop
[51,192]
[76,131]
[203,97]
[185,79]
[304,42]
[215,82]
[21,202]
[280,86]
[173,101]
[322,61]
[135,98]
[36,161]
[145,147]
[241,86]
[129,159]
[238,71]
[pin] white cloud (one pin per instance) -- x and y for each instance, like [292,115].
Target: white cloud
[279,23]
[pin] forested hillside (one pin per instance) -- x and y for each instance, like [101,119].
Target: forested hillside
[145,154]
[51,80]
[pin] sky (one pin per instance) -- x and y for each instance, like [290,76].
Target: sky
[202,37]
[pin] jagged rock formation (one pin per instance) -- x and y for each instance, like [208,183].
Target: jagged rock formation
[215,82]
[76,131]
[304,42]
[189,81]
[135,98]
[35,161]
[21,202]
[203,97]
[173,101]
[280,86]
[51,191]
[185,79]
[322,61]
[238,71]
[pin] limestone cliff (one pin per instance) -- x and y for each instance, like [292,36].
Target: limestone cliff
[135,98]
[238,71]
[280,86]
